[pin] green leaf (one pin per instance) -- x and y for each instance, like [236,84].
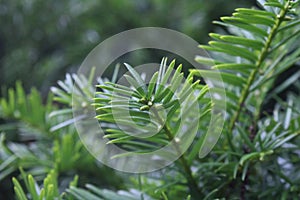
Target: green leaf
[255,12]
[215,36]
[163,76]
[121,91]
[60,112]
[167,75]
[115,74]
[258,45]
[161,72]
[255,19]
[243,25]
[165,91]
[7,162]
[7,171]
[248,157]
[206,61]
[217,76]
[32,188]
[232,50]
[289,25]
[269,136]
[284,140]
[136,85]
[74,182]
[152,85]
[274,4]
[137,77]
[62,96]
[18,190]
[234,66]
[245,170]
[176,80]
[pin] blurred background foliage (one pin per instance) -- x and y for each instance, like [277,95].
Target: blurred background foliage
[42,40]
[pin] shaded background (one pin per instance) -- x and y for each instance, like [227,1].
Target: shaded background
[42,40]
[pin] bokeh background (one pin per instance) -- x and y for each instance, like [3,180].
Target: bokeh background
[42,40]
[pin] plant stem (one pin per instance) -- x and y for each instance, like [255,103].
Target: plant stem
[192,184]
[188,173]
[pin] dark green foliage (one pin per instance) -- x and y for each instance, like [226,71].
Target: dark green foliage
[256,157]
[47,38]
[41,138]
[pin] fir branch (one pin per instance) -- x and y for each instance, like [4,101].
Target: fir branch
[262,57]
